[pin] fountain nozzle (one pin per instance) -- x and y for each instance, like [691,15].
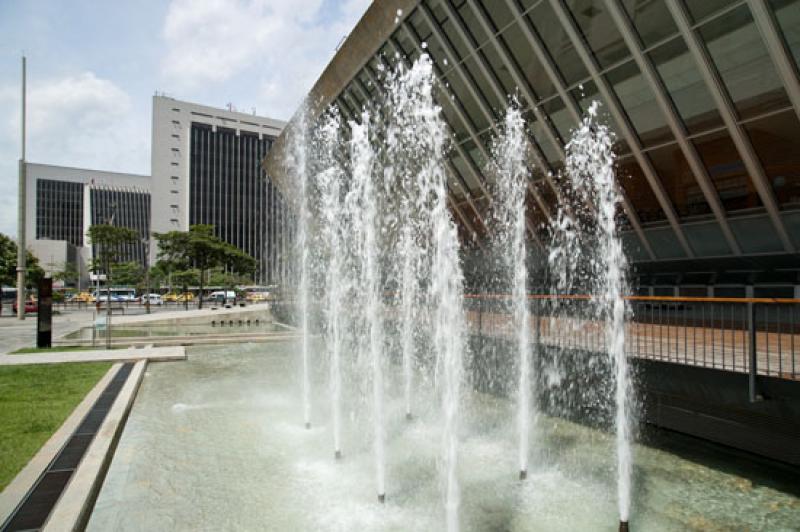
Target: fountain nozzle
[409,417]
[338,454]
[523,474]
[381,498]
[623,526]
[308,425]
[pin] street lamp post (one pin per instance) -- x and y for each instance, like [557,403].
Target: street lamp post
[146,243]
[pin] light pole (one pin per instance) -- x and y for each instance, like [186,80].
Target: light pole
[146,243]
[21,249]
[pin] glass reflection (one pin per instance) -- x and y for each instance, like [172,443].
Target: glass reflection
[685,85]
[639,104]
[776,140]
[727,172]
[742,60]
[651,19]
[599,31]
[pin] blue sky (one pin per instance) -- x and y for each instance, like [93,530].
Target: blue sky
[93,67]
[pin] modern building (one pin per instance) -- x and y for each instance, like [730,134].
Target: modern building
[206,170]
[63,202]
[704,98]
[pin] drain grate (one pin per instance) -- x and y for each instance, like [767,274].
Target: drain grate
[32,512]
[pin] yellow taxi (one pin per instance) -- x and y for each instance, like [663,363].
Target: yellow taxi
[82,297]
[256,297]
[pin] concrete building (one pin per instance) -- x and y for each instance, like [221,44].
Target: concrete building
[62,203]
[206,170]
[704,99]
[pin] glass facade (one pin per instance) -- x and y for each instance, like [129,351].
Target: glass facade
[724,97]
[229,190]
[130,207]
[59,211]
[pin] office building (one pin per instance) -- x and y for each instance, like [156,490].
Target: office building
[206,168]
[63,202]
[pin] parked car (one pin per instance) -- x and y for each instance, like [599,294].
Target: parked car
[155,299]
[257,297]
[31,306]
[82,297]
[183,298]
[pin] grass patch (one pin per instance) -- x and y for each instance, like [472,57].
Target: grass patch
[34,401]
[59,348]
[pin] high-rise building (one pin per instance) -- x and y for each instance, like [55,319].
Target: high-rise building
[206,168]
[703,96]
[64,202]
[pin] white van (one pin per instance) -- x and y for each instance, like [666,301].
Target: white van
[222,297]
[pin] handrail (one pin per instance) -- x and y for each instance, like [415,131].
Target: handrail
[671,299]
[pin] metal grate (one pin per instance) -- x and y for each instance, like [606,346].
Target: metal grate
[34,509]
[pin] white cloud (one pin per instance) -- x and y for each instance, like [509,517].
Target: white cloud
[280,46]
[79,120]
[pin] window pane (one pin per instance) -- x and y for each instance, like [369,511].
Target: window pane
[679,181]
[498,12]
[484,86]
[498,67]
[461,48]
[727,171]
[599,31]
[557,112]
[557,43]
[777,142]
[468,103]
[743,63]
[447,102]
[418,22]
[473,27]
[541,138]
[466,174]
[651,18]
[640,106]
[788,14]
[685,85]
[638,190]
[700,9]
[529,64]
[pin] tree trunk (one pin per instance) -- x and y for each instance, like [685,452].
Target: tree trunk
[200,304]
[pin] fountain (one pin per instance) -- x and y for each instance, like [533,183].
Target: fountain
[510,168]
[298,163]
[337,276]
[594,237]
[381,302]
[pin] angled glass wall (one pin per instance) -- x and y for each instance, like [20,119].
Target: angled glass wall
[707,135]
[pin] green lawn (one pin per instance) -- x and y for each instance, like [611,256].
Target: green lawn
[34,401]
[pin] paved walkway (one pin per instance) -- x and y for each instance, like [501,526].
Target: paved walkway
[723,348]
[97,355]
[16,333]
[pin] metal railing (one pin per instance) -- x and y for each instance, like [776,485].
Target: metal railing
[759,336]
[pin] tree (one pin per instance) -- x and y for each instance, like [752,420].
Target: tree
[109,242]
[128,273]
[199,248]
[8,264]
[66,272]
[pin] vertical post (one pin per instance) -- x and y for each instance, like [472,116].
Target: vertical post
[753,369]
[21,247]
[147,276]
[44,317]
